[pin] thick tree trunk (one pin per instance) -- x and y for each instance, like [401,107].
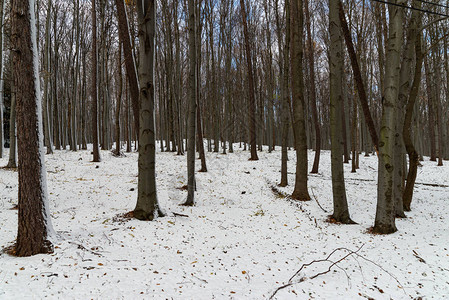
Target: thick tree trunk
[341,211]
[1,77]
[299,125]
[34,218]
[147,207]
[385,211]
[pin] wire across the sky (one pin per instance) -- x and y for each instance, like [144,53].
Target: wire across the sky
[413,8]
[433,3]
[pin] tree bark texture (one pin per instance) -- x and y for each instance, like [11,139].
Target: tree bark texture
[385,210]
[94,91]
[341,211]
[34,224]
[191,129]
[407,128]
[299,125]
[251,91]
[312,89]
[147,207]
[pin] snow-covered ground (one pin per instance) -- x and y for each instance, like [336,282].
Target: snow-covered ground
[241,240]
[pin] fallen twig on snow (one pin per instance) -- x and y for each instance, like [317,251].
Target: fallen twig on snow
[327,259]
[333,264]
[418,257]
[179,215]
[316,199]
[200,279]
[84,248]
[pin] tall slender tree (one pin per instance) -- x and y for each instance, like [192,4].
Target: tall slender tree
[405,92]
[130,64]
[413,155]
[199,124]
[251,91]
[312,89]
[94,91]
[191,127]
[118,101]
[285,95]
[341,211]
[47,137]
[1,77]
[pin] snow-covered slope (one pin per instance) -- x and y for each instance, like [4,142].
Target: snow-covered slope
[241,240]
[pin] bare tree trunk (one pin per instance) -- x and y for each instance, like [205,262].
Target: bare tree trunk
[199,125]
[354,137]
[437,106]
[178,80]
[283,75]
[75,68]
[147,207]
[251,92]
[34,218]
[226,33]
[96,150]
[192,106]
[431,107]
[118,102]
[83,102]
[341,211]
[56,125]
[299,125]
[127,117]
[406,130]
[313,99]
[1,77]
[358,79]
[130,65]
[385,211]
[270,120]
[405,83]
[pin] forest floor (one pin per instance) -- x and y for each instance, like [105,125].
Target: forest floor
[240,241]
